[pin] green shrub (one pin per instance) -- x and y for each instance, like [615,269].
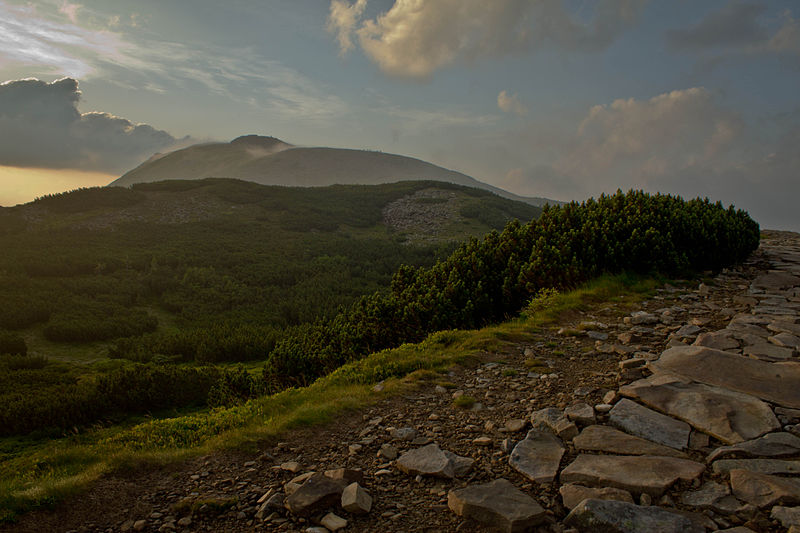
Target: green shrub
[12,343]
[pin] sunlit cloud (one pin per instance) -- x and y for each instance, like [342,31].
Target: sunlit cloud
[509,103]
[414,39]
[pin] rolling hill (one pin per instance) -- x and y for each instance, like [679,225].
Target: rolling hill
[270,161]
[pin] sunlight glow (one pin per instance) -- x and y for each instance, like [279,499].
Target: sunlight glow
[21,185]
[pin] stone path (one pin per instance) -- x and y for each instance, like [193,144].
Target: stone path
[681,416]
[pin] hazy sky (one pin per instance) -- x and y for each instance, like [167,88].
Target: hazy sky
[564,99]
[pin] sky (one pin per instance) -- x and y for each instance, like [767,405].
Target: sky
[562,99]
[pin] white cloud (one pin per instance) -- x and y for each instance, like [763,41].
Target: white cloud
[638,141]
[343,19]
[415,38]
[31,37]
[509,103]
[787,38]
[40,126]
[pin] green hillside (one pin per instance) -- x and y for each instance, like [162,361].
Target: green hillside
[181,274]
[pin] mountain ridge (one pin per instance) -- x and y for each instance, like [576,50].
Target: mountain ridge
[271,161]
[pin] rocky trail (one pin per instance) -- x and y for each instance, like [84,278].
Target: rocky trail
[682,416]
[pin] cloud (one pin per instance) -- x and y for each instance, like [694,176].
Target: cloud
[342,21]
[55,43]
[415,38]
[737,26]
[787,38]
[509,103]
[40,126]
[734,25]
[636,142]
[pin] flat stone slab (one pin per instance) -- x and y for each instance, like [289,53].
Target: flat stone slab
[775,382]
[727,415]
[538,456]
[715,496]
[622,517]
[787,516]
[782,326]
[607,439]
[719,340]
[638,474]
[775,281]
[770,445]
[572,494]
[763,466]
[431,460]
[648,424]
[764,490]
[499,504]
[785,340]
[768,352]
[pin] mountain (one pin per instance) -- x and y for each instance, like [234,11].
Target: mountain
[270,161]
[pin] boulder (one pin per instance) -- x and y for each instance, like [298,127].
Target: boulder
[499,504]
[538,456]
[431,460]
[764,490]
[622,517]
[607,439]
[776,383]
[573,494]
[637,474]
[356,500]
[646,423]
[727,415]
[316,494]
[770,445]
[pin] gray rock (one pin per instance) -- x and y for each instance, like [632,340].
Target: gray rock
[538,456]
[720,340]
[689,330]
[572,494]
[764,466]
[580,413]
[770,445]
[387,451]
[430,460]
[786,340]
[356,500]
[716,497]
[556,420]
[787,516]
[499,504]
[766,351]
[775,281]
[783,326]
[637,474]
[764,490]
[597,335]
[608,516]
[607,439]
[317,493]
[333,522]
[727,415]
[776,383]
[403,433]
[639,318]
[515,424]
[646,423]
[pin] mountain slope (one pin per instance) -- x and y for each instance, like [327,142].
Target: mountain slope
[269,161]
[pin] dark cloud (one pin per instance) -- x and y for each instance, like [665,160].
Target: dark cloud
[40,126]
[735,25]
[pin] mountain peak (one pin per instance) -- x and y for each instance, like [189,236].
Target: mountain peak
[257,141]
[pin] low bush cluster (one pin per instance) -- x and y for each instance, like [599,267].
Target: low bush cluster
[487,280]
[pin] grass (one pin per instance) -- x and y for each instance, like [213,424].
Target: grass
[464,402]
[36,474]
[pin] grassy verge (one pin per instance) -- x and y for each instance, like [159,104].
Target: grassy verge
[38,474]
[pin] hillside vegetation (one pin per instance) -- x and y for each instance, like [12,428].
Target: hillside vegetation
[118,301]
